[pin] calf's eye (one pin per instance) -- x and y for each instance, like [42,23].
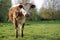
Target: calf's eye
[20,6]
[32,6]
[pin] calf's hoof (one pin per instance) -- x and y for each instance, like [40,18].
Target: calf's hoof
[22,35]
[16,36]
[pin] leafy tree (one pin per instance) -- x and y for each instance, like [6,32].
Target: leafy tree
[4,7]
[33,15]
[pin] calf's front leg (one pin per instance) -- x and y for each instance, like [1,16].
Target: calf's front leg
[21,29]
[16,27]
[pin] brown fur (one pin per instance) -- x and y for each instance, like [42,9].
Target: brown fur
[12,11]
[16,10]
[17,16]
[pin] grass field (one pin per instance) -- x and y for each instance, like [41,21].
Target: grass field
[43,30]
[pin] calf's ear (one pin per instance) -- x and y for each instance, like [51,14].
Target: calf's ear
[20,6]
[32,6]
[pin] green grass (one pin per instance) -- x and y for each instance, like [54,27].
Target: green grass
[43,30]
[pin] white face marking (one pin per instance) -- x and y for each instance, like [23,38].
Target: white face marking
[23,11]
[27,7]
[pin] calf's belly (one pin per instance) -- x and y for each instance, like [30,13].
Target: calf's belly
[21,21]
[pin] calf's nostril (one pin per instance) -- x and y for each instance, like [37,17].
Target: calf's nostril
[27,15]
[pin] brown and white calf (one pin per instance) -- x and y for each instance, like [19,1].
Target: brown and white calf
[18,15]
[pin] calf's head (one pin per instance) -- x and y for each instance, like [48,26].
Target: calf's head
[25,8]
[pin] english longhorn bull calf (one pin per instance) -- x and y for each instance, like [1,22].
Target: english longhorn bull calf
[18,14]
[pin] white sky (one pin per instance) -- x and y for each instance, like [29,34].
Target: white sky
[38,3]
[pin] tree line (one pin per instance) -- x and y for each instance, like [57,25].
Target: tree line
[44,13]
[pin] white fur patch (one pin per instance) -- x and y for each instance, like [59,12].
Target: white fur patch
[23,11]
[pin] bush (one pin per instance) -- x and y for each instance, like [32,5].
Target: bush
[49,14]
[33,15]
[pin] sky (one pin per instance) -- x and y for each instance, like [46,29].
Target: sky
[38,3]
